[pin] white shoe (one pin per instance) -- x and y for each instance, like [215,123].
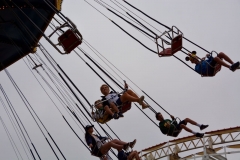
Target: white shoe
[144,106]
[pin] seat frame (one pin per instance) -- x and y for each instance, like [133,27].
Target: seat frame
[176,42]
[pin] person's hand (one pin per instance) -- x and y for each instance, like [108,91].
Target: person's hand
[172,116]
[106,138]
[90,145]
[125,85]
[168,124]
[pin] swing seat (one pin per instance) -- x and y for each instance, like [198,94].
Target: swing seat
[217,68]
[176,44]
[69,41]
[125,107]
[104,119]
[175,133]
[165,53]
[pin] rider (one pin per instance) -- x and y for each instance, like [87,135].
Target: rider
[112,111]
[167,128]
[206,67]
[99,148]
[128,96]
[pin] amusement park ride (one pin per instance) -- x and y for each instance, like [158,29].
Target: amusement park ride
[23,23]
[211,143]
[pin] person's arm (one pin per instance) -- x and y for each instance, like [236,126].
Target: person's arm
[93,115]
[89,141]
[103,138]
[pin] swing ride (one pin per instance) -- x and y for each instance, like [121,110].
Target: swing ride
[25,22]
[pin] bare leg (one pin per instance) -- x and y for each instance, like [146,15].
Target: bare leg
[107,146]
[129,96]
[225,57]
[188,120]
[118,142]
[108,110]
[186,128]
[221,62]
[114,107]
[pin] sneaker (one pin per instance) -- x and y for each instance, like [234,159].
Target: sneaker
[141,100]
[200,135]
[126,146]
[234,66]
[202,127]
[115,116]
[144,106]
[131,144]
[120,114]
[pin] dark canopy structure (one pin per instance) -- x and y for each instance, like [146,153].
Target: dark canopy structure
[22,24]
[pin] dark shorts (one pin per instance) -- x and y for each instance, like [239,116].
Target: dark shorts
[118,102]
[122,155]
[97,152]
[213,63]
[179,124]
[211,68]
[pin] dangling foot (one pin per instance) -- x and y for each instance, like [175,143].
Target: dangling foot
[141,100]
[234,66]
[144,106]
[200,135]
[120,114]
[126,146]
[202,127]
[131,144]
[115,116]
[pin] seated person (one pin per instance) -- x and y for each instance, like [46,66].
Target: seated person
[206,67]
[99,148]
[112,111]
[128,155]
[128,96]
[167,128]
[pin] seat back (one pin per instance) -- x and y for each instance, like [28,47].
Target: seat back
[176,44]
[69,41]
[125,107]
[217,68]
[104,119]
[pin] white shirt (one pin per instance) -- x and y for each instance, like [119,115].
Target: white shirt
[112,97]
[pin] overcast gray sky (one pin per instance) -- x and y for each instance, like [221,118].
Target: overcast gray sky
[214,25]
